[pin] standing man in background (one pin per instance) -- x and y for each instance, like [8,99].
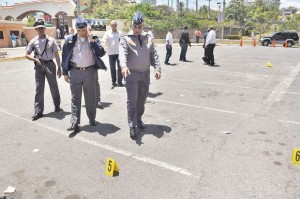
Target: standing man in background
[111,40]
[169,43]
[210,44]
[184,41]
[13,40]
[137,53]
[80,61]
[150,33]
[197,35]
[45,49]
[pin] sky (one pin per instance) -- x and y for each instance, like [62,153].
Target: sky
[213,3]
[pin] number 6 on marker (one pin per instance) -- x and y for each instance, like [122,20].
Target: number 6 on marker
[296,156]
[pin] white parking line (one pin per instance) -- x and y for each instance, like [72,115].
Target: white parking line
[277,94]
[218,84]
[236,73]
[190,105]
[13,71]
[110,148]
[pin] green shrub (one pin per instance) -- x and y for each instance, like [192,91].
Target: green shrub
[233,37]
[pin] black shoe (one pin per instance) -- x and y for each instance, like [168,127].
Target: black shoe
[167,63]
[99,105]
[37,116]
[212,64]
[132,132]
[141,125]
[121,84]
[93,123]
[57,109]
[74,127]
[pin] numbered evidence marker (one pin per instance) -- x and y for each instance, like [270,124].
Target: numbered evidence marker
[111,167]
[296,156]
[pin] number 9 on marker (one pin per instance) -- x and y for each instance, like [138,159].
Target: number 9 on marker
[296,156]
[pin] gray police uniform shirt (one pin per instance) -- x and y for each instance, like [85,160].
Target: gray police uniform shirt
[83,55]
[136,57]
[39,45]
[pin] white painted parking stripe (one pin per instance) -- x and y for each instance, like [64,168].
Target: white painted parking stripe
[189,105]
[279,91]
[218,84]
[237,73]
[110,148]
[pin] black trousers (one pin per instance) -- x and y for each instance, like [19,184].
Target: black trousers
[169,53]
[184,48]
[210,53]
[113,59]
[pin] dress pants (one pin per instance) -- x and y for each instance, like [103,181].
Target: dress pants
[83,80]
[113,60]
[40,75]
[137,87]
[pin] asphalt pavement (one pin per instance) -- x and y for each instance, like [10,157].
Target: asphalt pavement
[211,132]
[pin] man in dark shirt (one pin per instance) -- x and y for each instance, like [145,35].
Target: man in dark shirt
[184,42]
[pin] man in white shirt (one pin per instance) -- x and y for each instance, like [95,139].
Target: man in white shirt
[111,40]
[150,33]
[210,44]
[169,43]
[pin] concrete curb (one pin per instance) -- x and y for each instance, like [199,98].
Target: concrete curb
[12,59]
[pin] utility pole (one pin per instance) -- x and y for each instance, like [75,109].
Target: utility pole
[172,4]
[78,7]
[222,19]
[187,4]
[196,5]
[208,12]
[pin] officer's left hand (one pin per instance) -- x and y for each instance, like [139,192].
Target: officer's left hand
[90,33]
[157,75]
[58,73]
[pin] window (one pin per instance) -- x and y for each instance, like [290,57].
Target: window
[15,32]
[1,35]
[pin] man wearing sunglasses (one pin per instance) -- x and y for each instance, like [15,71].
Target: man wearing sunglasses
[137,53]
[45,49]
[80,59]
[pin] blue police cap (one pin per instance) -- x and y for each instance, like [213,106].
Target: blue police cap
[137,19]
[80,22]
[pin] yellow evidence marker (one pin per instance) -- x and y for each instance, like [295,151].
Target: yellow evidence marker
[296,156]
[269,64]
[111,168]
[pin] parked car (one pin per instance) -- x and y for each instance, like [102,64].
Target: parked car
[291,37]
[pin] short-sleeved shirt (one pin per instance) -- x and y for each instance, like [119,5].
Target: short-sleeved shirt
[13,37]
[197,33]
[112,40]
[38,44]
[83,55]
[169,38]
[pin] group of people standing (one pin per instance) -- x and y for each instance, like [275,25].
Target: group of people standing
[133,54]
[16,41]
[130,58]
[184,41]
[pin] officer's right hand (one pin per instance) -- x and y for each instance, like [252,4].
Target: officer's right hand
[37,61]
[67,78]
[125,71]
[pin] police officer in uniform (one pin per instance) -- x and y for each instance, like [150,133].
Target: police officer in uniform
[137,53]
[80,61]
[45,49]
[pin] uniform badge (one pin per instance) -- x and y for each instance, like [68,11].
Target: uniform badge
[70,41]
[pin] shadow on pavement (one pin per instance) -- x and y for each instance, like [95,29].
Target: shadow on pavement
[58,115]
[102,128]
[154,129]
[105,105]
[153,95]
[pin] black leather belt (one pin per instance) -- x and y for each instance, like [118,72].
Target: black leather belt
[83,68]
[46,61]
